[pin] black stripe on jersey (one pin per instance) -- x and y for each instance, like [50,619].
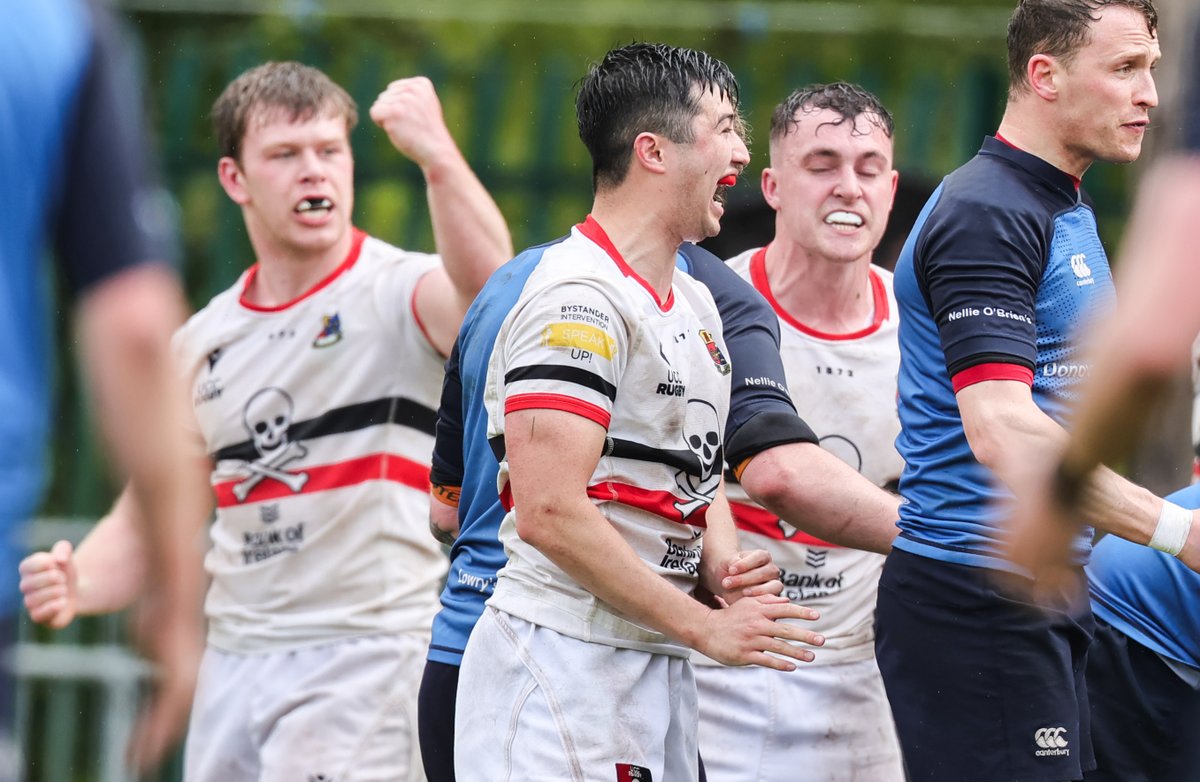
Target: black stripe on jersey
[389,410]
[682,460]
[580,377]
[497,445]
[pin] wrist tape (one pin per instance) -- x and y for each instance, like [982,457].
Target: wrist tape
[1174,524]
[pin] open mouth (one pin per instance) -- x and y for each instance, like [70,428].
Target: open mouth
[317,206]
[722,191]
[844,219]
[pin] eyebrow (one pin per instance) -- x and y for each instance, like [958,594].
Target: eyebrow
[829,153]
[1137,52]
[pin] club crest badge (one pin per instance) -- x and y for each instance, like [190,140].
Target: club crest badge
[715,353]
[331,331]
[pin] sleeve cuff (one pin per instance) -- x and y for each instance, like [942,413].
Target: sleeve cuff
[993,371]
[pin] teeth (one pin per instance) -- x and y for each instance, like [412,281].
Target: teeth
[844,218]
[310,204]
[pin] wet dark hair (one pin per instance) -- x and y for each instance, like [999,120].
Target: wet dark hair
[1059,28]
[849,101]
[639,88]
[296,90]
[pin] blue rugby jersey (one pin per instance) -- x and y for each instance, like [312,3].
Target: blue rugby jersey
[1147,595]
[462,457]
[761,416]
[73,155]
[1191,102]
[1002,267]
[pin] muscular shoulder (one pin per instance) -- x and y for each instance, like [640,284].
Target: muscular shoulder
[992,213]
[994,194]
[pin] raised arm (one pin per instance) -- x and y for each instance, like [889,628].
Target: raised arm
[471,234]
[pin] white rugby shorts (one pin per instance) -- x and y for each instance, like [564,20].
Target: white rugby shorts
[833,722]
[338,712]
[538,706]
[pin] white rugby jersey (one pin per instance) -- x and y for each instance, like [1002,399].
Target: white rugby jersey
[590,337]
[319,417]
[844,386]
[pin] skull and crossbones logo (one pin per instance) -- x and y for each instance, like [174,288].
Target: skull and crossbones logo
[702,434]
[268,418]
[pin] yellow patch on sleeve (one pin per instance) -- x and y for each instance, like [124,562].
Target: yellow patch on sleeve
[579,336]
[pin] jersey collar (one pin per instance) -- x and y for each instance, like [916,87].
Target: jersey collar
[355,248]
[1000,147]
[592,230]
[758,278]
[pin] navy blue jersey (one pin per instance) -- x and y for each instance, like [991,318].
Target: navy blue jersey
[72,154]
[1001,269]
[1191,92]
[1147,595]
[761,416]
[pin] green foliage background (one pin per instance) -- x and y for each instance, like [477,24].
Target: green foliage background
[507,87]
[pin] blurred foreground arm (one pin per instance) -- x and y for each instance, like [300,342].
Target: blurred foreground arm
[113,228]
[124,326]
[1019,443]
[1148,343]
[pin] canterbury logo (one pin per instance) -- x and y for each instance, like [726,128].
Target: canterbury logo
[1079,265]
[1050,738]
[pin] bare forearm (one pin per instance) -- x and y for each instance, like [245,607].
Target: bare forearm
[110,562]
[720,543]
[1017,442]
[443,521]
[1119,506]
[471,234]
[815,491]
[581,542]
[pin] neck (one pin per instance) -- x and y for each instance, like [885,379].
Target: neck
[639,236]
[286,274]
[829,296]
[1027,132]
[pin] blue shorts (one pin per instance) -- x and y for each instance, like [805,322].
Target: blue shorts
[1144,716]
[983,687]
